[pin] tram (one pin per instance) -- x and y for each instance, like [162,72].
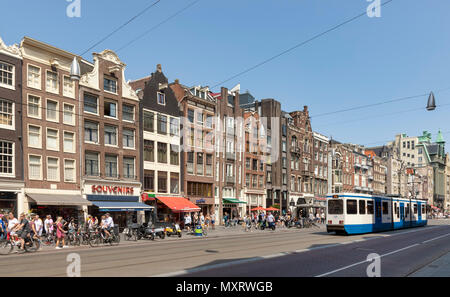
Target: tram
[350,213]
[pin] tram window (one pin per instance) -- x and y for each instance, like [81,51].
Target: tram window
[362,206]
[352,207]
[385,208]
[415,208]
[370,207]
[398,213]
[424,210]
[335,207]
[378,208]
[407,209]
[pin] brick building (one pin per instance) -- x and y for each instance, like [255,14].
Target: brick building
[198,160]
[111,149]
[51,146]
[11,151]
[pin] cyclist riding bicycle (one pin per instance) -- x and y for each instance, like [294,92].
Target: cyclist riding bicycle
[107,225]
[23,229]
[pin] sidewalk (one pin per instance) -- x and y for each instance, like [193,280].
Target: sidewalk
[219,232]
[438,268]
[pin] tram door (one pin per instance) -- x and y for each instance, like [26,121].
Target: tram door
[378,218]
[402,214]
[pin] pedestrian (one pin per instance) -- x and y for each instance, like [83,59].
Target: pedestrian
[60,233]
[12,223]
[213,220]
[207,221]
[187,222]
[323,217]
[3,231]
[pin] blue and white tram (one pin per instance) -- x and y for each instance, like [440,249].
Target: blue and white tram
[350,213]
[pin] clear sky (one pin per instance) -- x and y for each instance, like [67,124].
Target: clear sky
[405,52]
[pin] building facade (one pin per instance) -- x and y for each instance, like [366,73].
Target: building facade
[160,138]
[198,160]
[11,146]
[255,161]
[111,140]
[51,146]
[343,170]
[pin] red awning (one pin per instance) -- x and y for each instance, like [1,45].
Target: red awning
[179,204]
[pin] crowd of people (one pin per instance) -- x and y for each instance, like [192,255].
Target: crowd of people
[191,220]
[32,226]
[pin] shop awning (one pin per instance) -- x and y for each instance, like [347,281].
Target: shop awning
[110,206]
[232,200]
[179,204]
[59,200]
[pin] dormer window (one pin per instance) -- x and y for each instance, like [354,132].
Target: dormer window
[110,85]
[161,98]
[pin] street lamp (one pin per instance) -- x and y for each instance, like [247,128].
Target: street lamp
[75,72]
[431,102]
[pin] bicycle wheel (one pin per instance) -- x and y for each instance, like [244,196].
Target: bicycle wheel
[93,240]
[115,240]
[5,247]
[31,246]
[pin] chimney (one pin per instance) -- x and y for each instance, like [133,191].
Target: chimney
[177,81]
[158,68]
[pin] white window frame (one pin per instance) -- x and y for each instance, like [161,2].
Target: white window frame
[98,104]
[134,166]
[117,108]
[134,113]
[117,136]
[74,171]
[74,141]
[39,107]
[70,94]
[47,89]
[13,113]
[73,114]
[98,133]
[40,167]
[34,86]
[13,86]
[157,98]
[111,79]
[56,111]
[40,136]
[134,139]
[58,171]
[13,174]
[57,140]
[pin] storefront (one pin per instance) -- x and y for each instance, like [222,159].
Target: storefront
[66,206]
[121,201]
[206,204]
[234,208]
[11,197]
[170,209]
[8,203]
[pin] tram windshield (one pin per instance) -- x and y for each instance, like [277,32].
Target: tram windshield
[335,206]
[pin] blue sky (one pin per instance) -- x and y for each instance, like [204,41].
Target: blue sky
[406,52]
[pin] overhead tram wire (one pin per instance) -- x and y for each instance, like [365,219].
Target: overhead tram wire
[378,103]
[299,45]
[156,26]
[379,116]
[123,25]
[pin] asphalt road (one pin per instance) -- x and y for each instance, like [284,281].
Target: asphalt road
[310,252]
